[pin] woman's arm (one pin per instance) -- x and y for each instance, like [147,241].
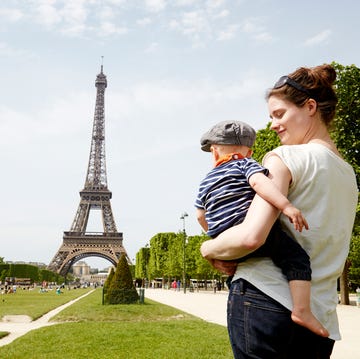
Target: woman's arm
[246,237]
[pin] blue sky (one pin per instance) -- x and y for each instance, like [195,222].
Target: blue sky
[174,68]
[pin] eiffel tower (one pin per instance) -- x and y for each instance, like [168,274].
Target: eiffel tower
[78,243]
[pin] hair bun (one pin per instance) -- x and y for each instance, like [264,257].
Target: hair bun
[325,74]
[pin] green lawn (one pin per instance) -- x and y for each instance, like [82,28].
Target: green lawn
[35,304]
[88,329]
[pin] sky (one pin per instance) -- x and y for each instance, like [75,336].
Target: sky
[174,69]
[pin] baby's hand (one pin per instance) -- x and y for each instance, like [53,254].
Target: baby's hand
[296,218]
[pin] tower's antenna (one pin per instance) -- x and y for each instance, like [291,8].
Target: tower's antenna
[102,63]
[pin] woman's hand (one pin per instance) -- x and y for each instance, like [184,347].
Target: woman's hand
[226,267]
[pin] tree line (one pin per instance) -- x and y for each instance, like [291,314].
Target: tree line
[164,258]
[34,273]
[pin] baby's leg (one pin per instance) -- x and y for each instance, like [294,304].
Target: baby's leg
[301,314]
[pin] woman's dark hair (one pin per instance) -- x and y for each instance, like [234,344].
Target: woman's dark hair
[317,83]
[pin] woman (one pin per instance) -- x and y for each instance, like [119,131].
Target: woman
[309,169]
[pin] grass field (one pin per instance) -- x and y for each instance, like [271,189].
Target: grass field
[35,304]
[88,329]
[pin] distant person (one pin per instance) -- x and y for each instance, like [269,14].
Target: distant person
[225,196]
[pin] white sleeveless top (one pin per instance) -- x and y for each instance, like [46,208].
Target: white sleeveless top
[324,188]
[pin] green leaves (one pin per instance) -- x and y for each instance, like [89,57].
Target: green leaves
[346,130]
[165,257]
[266,140]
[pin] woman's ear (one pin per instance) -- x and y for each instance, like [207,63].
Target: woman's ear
[312,106]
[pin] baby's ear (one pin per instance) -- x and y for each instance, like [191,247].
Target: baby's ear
[249,153]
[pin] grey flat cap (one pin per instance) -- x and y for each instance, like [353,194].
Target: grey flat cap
[228,133]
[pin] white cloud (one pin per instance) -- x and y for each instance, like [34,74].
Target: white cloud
[173,97]
[263,37]
[109,28]
[320,38]
[214,4]
[69,17]
[74,16]
[222,14]
[194,22]
[83,18]
[7,51]
[106,13]
[228,33]
[152,47]
[252,25]
[116,2]
[46,13]
[144,21]
[185,2]
[10,15]
[11,121]
[193,25]
[155,5]
[51,120]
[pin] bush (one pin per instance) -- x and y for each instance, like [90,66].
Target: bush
[121,289]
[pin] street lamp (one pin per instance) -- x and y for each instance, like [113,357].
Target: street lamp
[183,216]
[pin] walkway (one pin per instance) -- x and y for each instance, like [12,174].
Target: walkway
[212,307]
[18,325]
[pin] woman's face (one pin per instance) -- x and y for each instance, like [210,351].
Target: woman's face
[291,123]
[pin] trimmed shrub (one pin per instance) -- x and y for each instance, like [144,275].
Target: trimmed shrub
[121,289]
[109,278]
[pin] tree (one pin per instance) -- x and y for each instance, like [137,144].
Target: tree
[199,267]
[346,132]
[142,264]
[164,259]
[121,289]
[266,140]
[109,278]
[174,256]
[354,261]
[346,135]
[192,255]
[159,246]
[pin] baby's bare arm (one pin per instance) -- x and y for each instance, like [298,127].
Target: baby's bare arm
[267,189]
[200,215]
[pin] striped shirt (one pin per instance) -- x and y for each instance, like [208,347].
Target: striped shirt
[225,194]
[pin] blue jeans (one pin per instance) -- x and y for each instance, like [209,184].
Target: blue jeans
[261,328]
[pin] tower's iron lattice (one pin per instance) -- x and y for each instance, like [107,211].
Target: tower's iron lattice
[78,243]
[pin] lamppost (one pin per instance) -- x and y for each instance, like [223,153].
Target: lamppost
[183,216]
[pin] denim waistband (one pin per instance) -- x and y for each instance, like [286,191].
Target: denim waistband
[244,285]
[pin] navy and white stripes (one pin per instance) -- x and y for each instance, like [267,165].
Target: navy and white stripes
[225,194]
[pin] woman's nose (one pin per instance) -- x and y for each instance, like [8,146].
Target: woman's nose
[274,124]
